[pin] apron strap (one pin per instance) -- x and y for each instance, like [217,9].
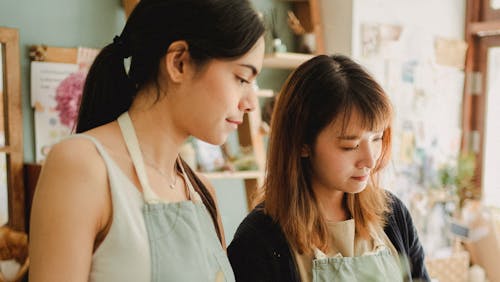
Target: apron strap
[134,150]
[133,147]
[193,195]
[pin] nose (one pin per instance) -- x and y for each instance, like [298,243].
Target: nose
[368,156]
[248,102]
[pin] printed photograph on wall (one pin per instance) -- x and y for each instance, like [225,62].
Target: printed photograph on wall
[56,89]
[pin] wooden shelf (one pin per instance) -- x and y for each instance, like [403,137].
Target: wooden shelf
[234,174]
[481,29]
[285,60]
[265,93]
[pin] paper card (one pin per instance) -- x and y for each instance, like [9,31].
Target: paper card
[48,131]
[45,77]
[450,52]
[380,39]
[85,57]
[407,149]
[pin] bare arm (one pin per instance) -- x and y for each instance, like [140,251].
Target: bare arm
[71,205]
[211,190]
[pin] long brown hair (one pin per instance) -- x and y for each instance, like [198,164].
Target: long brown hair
[322,90]
[205,196]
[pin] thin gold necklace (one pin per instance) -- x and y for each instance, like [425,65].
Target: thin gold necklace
[165,175]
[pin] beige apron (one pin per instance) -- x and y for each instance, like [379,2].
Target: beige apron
[378,265]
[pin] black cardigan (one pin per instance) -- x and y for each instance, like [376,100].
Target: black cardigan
[259,251]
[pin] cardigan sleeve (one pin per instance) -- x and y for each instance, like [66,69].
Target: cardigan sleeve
[249,255]
[411,243]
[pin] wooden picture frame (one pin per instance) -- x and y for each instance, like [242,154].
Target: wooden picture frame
[13,127]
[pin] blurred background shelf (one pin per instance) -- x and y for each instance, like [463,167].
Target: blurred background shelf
[285,60]
[265,93]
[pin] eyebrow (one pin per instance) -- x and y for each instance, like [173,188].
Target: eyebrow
[348,137]
[252,68]
[353,137]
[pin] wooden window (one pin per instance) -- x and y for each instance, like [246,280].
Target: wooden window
[481,111]
[11,127]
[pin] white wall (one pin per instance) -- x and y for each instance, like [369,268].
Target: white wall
[491,167]
[426,135]
[337,19]
[342,19]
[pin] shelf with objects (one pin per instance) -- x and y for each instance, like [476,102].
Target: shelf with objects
[303,19]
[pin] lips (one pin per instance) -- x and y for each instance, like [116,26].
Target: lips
[360,178]
[237,122]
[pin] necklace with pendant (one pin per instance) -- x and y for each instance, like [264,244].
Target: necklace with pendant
[165,175]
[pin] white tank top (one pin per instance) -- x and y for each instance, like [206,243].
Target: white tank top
[124,254]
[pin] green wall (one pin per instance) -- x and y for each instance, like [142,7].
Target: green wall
[61,23]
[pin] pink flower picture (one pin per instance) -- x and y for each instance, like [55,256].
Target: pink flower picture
[68,96]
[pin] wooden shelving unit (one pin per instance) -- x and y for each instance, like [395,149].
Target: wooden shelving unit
[285,60]
[265,93]
[249,132]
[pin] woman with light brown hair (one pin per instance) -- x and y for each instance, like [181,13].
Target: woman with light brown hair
[324,216]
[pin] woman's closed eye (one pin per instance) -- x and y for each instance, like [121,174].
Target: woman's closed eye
[242,81]
[350,147]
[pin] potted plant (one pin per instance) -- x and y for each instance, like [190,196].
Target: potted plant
[458,178]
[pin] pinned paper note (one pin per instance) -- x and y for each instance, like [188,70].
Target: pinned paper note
[450,52]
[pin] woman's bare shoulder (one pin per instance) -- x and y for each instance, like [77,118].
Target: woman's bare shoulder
[74,153]
[70,207]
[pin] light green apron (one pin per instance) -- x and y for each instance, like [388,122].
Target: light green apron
[378,266]
[182,239]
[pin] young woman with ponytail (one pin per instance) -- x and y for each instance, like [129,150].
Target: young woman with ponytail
[115,202]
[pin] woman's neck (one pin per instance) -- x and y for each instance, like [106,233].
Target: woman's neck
[158,135]
[331,204]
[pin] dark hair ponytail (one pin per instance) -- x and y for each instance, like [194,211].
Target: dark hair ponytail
[107,92]
[212,29]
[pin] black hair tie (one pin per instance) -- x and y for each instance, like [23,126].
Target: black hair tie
[120,47]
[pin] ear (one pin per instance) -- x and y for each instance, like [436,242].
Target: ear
[177,60]
[305,151]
